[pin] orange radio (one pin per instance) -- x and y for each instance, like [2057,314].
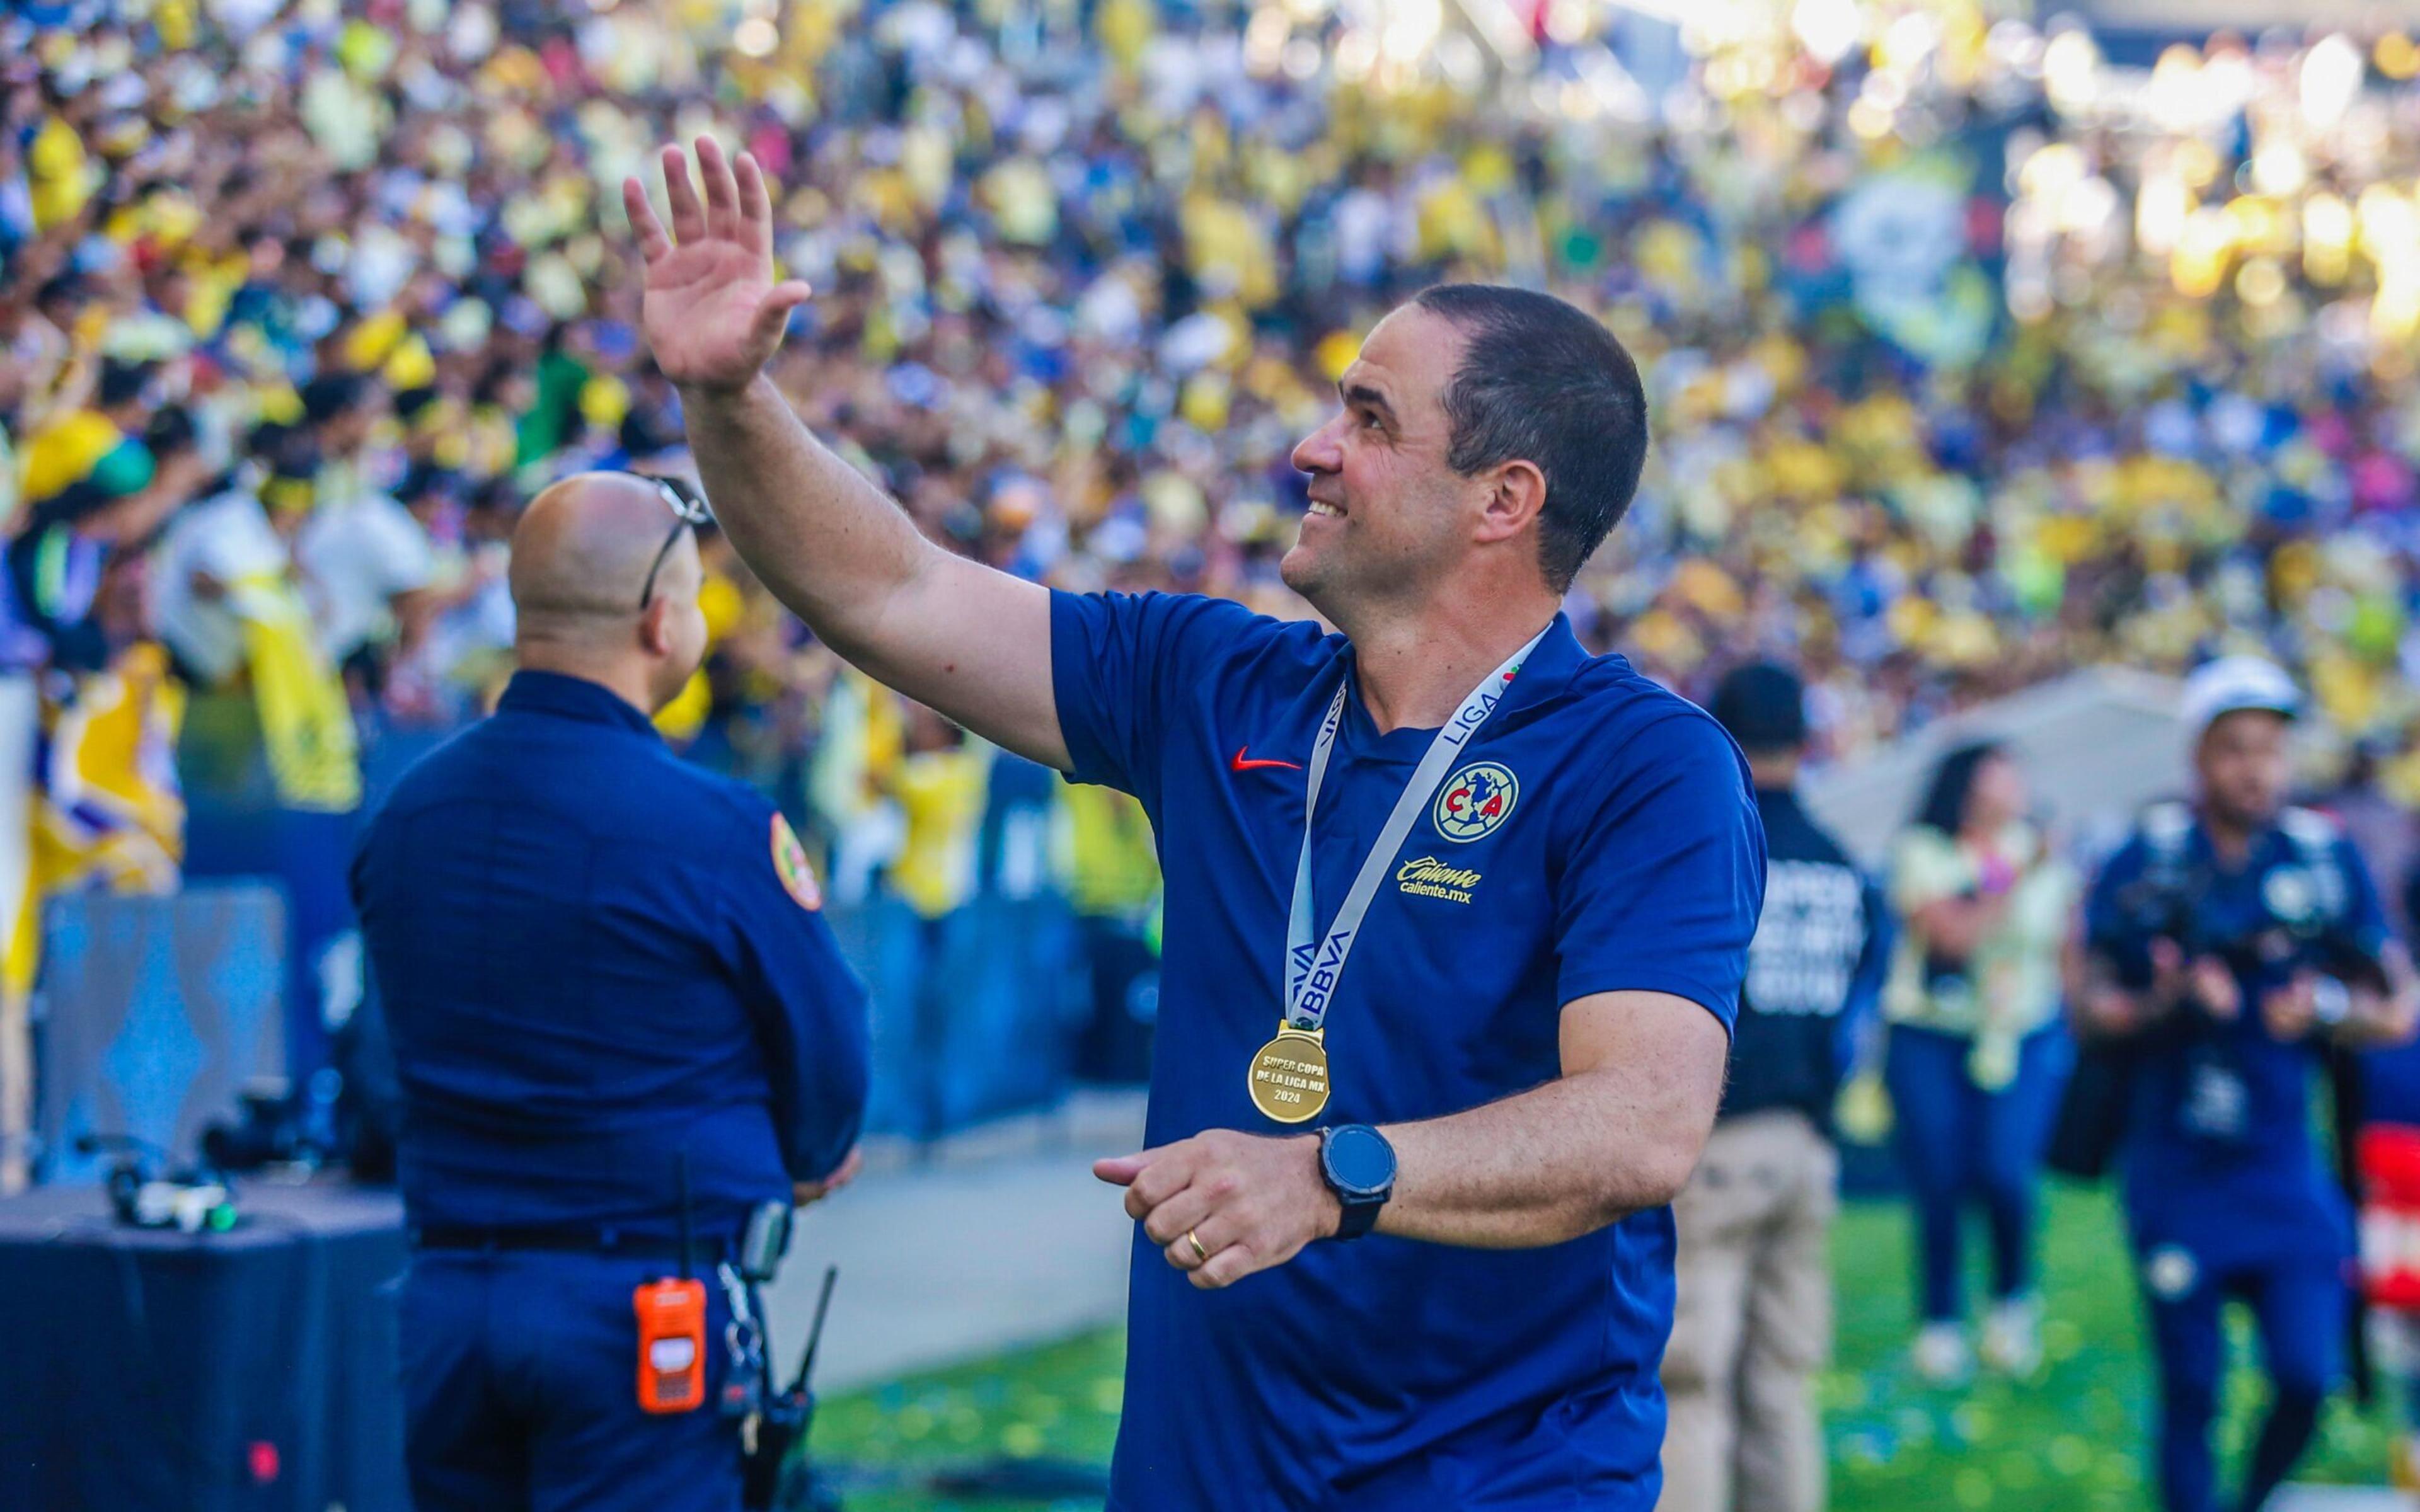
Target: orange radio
[672,1327]
[672,1345]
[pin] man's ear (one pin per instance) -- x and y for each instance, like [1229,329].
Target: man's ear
[655,627]
[1516,494]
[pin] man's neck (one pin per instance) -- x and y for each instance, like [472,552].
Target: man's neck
[2230,835]
[1773,771]
[615,675]
[1416,669]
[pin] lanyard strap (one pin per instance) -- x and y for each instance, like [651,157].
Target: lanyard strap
[1311,974]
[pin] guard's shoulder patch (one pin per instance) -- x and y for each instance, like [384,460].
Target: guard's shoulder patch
[790,865]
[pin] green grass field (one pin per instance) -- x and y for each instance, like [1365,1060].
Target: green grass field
[2071,1439]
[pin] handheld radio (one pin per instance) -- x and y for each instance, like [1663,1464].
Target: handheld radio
[671,1329]
[773,1478]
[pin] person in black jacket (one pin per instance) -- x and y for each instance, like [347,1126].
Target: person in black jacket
[1753,1317]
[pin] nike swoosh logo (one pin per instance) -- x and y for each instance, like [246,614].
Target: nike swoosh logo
[1241,764]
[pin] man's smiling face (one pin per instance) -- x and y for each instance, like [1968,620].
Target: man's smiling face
[1389,514]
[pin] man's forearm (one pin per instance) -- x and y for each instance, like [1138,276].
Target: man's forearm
[1540,1168]
[2375,1023]
[828,543]
[969,642]
[2103,1007]
[950,633]
[2386,1011]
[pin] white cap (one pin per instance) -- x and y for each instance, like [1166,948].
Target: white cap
[2232,683]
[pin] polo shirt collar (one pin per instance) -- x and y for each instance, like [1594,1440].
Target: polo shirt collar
[571,697]
[1545,673]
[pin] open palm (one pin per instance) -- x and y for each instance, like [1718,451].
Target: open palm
[712,311]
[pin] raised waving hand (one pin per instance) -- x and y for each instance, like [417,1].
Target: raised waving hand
[713,312]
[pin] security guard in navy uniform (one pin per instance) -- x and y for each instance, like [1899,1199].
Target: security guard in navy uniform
[2229,941]
[612,996]
[1752,1319]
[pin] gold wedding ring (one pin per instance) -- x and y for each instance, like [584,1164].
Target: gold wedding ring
[1201,1255]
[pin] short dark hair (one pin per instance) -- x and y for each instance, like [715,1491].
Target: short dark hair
[408,403]
[1542,382]
[331,394]
[172,431]
[1763,705]
[1944,799]
[122,383]
[423,479]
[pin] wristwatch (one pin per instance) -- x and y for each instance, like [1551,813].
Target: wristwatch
[1358,1166]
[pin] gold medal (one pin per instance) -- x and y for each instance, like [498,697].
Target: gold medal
[1289,1075]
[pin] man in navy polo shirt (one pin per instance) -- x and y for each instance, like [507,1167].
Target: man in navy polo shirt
[1557,865]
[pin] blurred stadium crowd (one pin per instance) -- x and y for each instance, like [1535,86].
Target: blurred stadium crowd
[1974,359]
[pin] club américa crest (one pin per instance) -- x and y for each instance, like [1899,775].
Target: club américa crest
[1475,800]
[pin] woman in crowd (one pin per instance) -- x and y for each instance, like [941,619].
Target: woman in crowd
[1975,1055]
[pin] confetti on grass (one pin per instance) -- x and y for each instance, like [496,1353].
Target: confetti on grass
[2072,1437]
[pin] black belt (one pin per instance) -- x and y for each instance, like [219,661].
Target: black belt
[708,1250]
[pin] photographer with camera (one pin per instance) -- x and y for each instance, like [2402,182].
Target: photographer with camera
[2229,943]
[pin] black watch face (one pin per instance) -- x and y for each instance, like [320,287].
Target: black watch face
[1360,1160]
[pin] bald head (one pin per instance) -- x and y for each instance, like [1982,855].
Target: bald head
[583,546]
[580,560]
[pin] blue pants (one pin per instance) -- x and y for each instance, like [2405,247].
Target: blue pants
[2299,1307]
[521,1391]
[1957,1140]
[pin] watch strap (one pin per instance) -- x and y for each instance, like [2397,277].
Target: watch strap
[1360,1215]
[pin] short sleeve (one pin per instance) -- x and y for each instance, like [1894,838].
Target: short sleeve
[1924,868]
[2366,931]
[1122,665]
[1662,884]
[2108,932]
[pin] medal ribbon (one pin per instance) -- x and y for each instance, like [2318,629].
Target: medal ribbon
[1312,973]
